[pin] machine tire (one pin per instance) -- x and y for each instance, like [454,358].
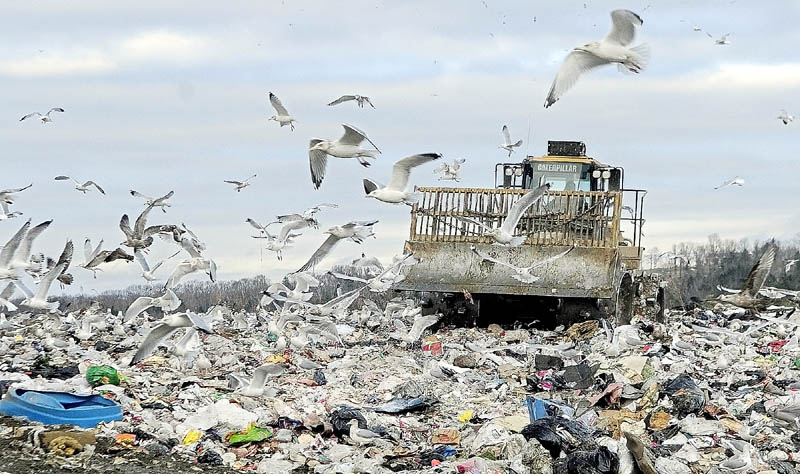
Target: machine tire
[625,296]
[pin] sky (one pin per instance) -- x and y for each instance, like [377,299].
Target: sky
[173,95]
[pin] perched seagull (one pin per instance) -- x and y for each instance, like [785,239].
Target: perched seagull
[722,41]
[165,328]
[141,236]
[345,147]
[38,300]
[95,257]
[747,296]
[450,172]
[7,270]
[192,265]
[361,436]
[522,274]
[240,184]
[257,384]
[611,49]
[155,202]
[7,199]
[44,118]
[784,117]
[356,231]
[790,264]
[737,181]
[6,295]
[395,192]
[81,187]
[504,235]
[507,145]
[21,260]
[147,272]
[167,302]
[360,99]
[283,117]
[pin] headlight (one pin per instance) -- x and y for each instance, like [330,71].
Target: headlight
[596,174]
[509,171]
[606,174]
[518,171]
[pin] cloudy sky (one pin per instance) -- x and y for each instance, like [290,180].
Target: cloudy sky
[173,95]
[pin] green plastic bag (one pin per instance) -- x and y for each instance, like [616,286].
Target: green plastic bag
[249,435]
[102,375]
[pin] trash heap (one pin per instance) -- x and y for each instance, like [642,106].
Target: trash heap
[709,390]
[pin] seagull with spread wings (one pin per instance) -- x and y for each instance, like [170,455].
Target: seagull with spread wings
[256,386]
[169,301]
[272,242]
[43,118]
[240,184]
[522,274]
[395,192]
[504,235]
[507,144]
[147,272]
[5,297]
[347,146]
[38,300]
[21,260]
[611,49]
[141,236]
[450,172]
[356,231]
[81,187]
[747,297]
[7,199]
[192,265]
[95,256]
[283,116]
[7,270]
[155,202]
[721,41]
[360,100]
[165,328]
[784,117]
[737,181]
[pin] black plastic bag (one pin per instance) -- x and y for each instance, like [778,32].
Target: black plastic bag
[595,461]
[686,396]
[544,431]
[405,405]
[341,416]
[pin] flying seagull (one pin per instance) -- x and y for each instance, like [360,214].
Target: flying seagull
[345,147]
[395,192]
[147,272]
[256,386]
[21,260]
[737,181]
[7,270]
[167,302]
[507,145]
[5,298]
[504,235]
[94,257]
[522,274]
[611,49]
[360,99]
[240,184]
[747,296]
[722,41]
[283,117]
[38,300]
[450,172]
[165,328]
[141,236]
[66,259]
[81,187]
[273,242]
[790,264]
[192,265]
[155,202]
[356,231]
[784,117]
[44,118]
[7,199]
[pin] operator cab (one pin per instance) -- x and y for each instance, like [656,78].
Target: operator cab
[566,167]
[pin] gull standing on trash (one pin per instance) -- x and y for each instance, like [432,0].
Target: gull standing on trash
[7,199]
[784,117]
[748,295]
[356,231]
[283,117]
[504,235]
[155,202]
[737,181]
[395,192]
[522,274]
[44,118]
[360,435]
[450,172]
[81,187]
[507,145]
[7,270]
[165,328]
[611,49]
[240,184]
[167,302]
[360,99]
[347,146]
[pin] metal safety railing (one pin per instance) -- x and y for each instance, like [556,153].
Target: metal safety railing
[580,218]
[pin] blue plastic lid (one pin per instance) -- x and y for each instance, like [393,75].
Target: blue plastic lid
[57,408]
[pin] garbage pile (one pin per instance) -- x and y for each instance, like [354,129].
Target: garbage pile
[709,390]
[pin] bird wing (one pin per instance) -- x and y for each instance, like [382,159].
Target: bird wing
[10,248]
[181,270]
[8,291]
[141,260]
[726,183]
[151,341]
[139,304]
[506,135]
[288,227]
[140,195]
[33,114]
[276,103]
[24,250]
[521,206]
[488,258]
[550,259]
[15,190]
[201,322]
[87,250]
[342,276]
[255,224]
[55,109]
[321,252]
[165,197]
[4,206]
[141,221]
[117,254]
[23,288]
[169,301]
[44,284]
[343,98]
[304,281]
[317,160]
[624,27]
[250,177]
[370,185]
[92,183]
[354,136]
[237,183]
[471,221]
[97,259]
[260,374]
[125,226]
[368,101]
[402,169]
[64,178]
[576,63]
[66,255]
[755,280]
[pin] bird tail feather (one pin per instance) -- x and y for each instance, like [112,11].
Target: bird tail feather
[413,198]
[517,241]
